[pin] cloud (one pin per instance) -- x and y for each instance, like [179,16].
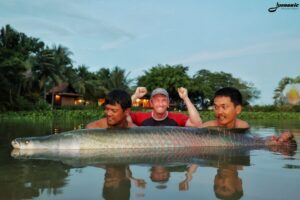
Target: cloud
[49,20]
[114,44]
[261,48]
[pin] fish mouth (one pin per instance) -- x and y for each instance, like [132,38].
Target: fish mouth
[15,153]
[15,144]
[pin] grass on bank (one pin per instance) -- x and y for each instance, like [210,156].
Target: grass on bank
[94,114]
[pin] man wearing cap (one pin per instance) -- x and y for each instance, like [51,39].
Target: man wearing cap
[160,116]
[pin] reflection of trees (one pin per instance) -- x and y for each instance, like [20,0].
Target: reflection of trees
[26,180]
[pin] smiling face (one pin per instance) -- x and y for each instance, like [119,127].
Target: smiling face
[115,115]
[159,174]
[225,111]
[160,104]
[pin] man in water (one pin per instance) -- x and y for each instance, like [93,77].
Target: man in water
[117,180]
[159,116]
[117,108]
[227,107]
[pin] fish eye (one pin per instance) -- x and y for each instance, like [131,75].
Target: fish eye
[27,142]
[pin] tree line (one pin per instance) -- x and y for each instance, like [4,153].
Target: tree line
[29,68]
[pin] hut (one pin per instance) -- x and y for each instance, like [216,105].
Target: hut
[63,95]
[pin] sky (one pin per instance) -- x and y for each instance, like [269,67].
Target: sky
[238,37]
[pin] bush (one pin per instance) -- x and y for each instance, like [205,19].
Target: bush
[79,107]
[23,104]
[272,108]
[42,105]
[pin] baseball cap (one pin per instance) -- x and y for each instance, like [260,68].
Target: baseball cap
[161,91]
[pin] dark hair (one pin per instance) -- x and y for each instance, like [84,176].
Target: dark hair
[231,92]
[118,96]
[234,196]
[120,192]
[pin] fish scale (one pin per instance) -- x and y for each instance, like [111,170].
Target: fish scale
[140,137]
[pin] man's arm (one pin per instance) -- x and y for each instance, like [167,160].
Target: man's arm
[194,117]
[212,123]
[241,124]
[139,93]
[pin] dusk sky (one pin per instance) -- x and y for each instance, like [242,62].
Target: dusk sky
[238,37]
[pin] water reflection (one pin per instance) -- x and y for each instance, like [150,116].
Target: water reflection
[118,178]
[159,174]
[227,183]
[26,180]
[117,182]
[51,175]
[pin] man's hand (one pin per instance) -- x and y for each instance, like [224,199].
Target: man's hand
[140,92]
[182,92]
[139,183]
[184,185]
[285,138]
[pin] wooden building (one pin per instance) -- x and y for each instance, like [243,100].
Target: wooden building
[64,95]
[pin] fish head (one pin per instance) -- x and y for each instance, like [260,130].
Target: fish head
[23,143]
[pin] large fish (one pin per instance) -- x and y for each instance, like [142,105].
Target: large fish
[170,156]
[142,137]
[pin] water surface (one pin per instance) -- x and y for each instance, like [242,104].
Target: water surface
[249,174]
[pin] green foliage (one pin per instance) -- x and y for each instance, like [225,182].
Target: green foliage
[273,108]
[116,78]
[258,115]
[165,76]
[54,114]
[202,86]
[15,51]
[28,69]
[94,85]
[207,83]
[41,104]
[80,107]
[94,114]
[269,115]
[27,104]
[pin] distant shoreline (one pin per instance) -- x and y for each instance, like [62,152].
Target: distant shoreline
[98,113]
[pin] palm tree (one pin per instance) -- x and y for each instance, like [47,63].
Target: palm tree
[119,79]
[62,58]
[116,78]
[45,70]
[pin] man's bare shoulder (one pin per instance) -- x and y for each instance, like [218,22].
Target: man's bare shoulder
[241,124]
[210,123]
[101,123]
[130,125]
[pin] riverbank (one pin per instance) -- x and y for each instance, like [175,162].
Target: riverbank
[98,113]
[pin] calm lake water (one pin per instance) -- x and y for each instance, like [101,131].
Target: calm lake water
[247,174]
